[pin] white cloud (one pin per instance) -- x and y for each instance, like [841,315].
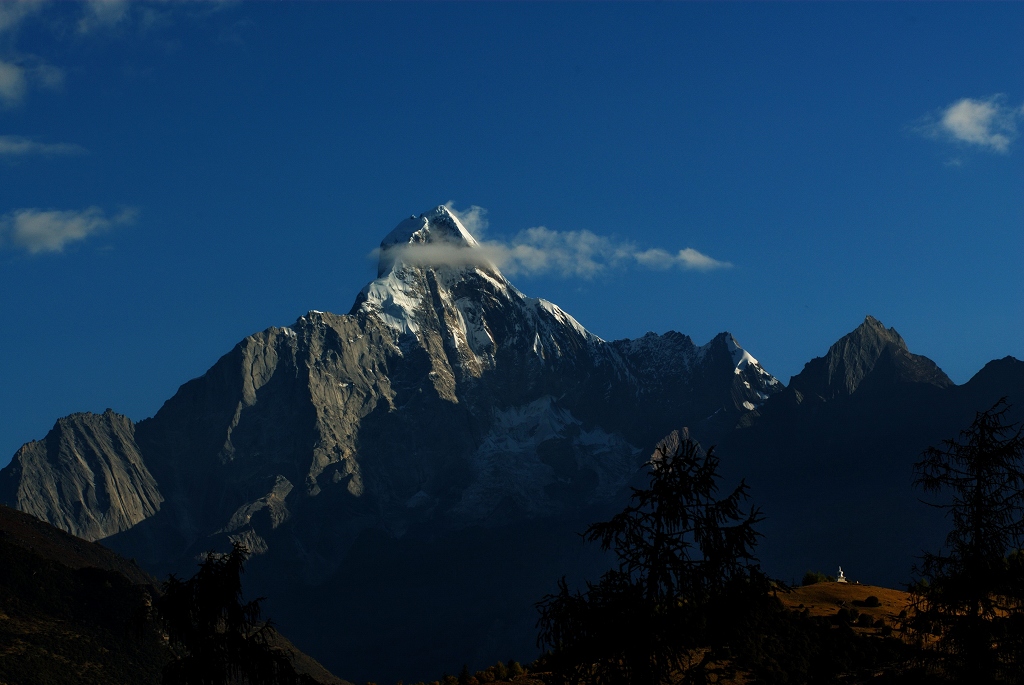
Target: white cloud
[14,75]
[12,83]
[687,258]
[15,79]
[12,13]
[49,230]
[988,123]
[18,146]
[540,250]
[569,253]
[102,14]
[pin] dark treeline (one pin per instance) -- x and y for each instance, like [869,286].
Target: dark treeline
[688,602]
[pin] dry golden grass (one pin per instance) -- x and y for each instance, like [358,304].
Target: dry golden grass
[825,599]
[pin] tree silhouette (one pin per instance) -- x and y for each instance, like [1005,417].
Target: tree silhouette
[217,639]
[970,600]
[685,559]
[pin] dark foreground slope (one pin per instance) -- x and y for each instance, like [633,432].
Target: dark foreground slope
[72,611]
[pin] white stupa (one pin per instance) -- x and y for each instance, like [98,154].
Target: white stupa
[841,578]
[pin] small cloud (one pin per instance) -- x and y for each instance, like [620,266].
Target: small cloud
[568,253]
[12,13]
[12,83]
[15,146]
[47,76]
[473,219]
[15,79]
[100,14]
[987,123]
[39,230]
[688,258]
[539,250]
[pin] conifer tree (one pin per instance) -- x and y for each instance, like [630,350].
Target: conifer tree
[684,556]
[969,600]
[216,638]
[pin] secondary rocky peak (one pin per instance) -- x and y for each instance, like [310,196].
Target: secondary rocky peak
[86,477]
[863,352]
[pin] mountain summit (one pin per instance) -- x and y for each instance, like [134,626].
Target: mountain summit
[446,397]
[870,350]
[445,402]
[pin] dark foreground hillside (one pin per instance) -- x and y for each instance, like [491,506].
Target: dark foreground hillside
[73,612]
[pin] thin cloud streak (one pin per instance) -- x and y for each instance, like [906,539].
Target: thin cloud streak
[16,146]
[12,13]
[539,250]
[50,230]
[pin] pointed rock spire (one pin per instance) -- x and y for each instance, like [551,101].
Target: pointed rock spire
[864,352]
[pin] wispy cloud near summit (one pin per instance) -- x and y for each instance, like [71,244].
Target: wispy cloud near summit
[540,250]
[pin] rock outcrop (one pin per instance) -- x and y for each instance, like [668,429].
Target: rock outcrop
[86,477]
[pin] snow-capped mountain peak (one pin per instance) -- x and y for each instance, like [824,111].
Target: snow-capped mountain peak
[434,275]
[433,239]
[740,357]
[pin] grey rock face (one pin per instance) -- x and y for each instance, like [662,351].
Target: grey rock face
[86,477]
[853,358]
[445,403]
[445,398]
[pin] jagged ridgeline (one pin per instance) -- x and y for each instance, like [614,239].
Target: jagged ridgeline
[412,475]
[445,400]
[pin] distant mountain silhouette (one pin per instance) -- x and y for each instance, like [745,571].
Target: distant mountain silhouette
[831,457]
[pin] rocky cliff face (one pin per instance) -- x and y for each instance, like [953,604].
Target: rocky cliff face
[445,398]
[86,477]
[871,351]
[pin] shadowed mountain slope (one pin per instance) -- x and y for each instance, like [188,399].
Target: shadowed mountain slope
[831,457]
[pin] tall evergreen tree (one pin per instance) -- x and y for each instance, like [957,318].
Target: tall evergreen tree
[685,558]
[969,601]
[216,638]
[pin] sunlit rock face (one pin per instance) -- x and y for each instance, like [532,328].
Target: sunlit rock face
[446,400]
[86,477]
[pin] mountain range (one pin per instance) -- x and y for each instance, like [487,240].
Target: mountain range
[412,475]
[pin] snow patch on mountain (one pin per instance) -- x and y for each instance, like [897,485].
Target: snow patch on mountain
[537,458]
[744,361]
[560,316]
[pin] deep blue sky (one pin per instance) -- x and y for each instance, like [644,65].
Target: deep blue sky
[174,177]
